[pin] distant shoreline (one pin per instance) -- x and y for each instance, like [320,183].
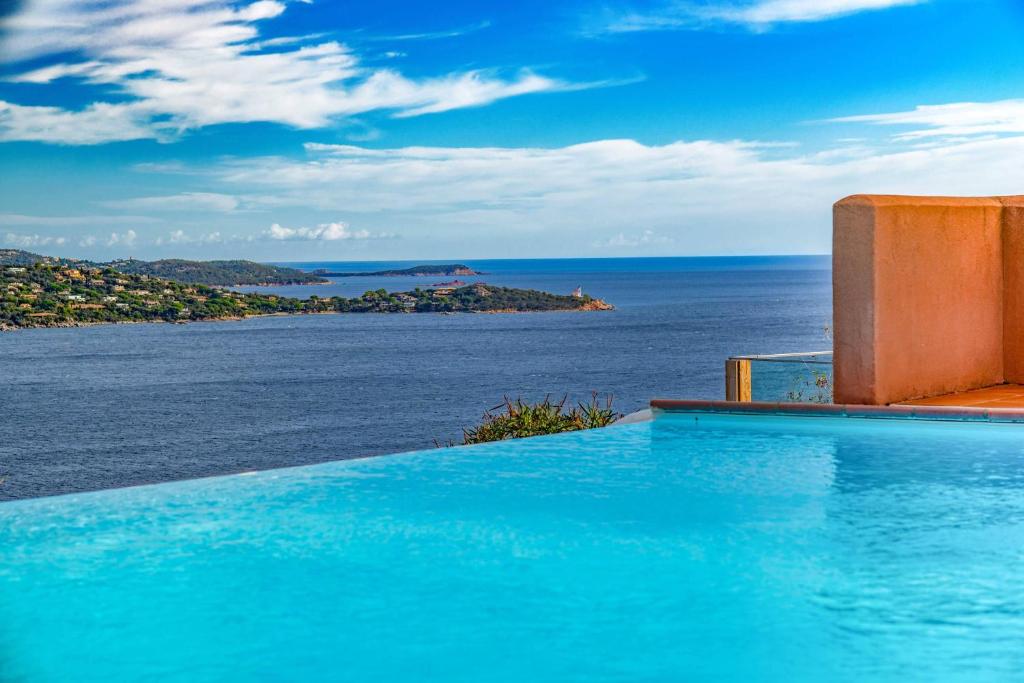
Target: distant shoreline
[54,295]
[79,323]
[431,270]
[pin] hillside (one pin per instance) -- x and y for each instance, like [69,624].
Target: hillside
[478,298]
[19,257]
[217,273]
[50,294]
[417,271]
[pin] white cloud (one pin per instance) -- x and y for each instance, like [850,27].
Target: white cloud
[488,178]
[177,237]
[632,241]
[774,11]
[961,119]
[99,122]
[181,237]
[83,219]
[327,232]
[126,238]
[185,201]
[709,197]
[25,241]
[390,90]
[184,64]
[757,14]
[450,33]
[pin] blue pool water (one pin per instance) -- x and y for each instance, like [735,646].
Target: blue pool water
[711,548]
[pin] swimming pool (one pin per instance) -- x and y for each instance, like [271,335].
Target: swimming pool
[693,547]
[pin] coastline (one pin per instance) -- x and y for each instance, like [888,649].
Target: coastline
[58,296]
[270,284]
[235,318]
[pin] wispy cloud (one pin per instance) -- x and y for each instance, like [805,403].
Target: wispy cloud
[632,241]
[704,195]
[436,35]
[14,219]
[95,124]
[757,14]
[127,238]
[124,239]
[962,119]
[30,241]
[695,196]
[185,201]
[181,237]
[326,232]
[177,65]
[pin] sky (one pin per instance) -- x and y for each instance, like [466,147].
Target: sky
[327,130]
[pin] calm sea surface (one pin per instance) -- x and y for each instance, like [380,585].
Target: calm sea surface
[120,405]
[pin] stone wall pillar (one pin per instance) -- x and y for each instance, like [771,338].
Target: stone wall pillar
[1013,289]
[918,288]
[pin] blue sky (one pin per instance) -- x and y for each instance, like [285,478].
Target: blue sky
[341,130]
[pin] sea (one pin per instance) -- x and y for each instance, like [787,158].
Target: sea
[123,405]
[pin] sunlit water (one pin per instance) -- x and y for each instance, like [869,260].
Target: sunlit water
[715,549]
[112,406]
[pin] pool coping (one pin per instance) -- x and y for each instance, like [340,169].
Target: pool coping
[898,412]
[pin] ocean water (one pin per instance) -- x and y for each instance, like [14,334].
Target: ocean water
[721,548]
[111,406]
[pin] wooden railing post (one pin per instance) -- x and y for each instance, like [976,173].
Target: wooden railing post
[737,380]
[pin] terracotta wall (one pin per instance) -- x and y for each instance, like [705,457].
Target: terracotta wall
[1013,289]
[928,296]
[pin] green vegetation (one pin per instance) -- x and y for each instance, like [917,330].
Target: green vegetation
[814,389]
[478,298]
[818,386]
[17,257]
[52,294]
[217,273]
[428,270]
[518,419]
[221,273]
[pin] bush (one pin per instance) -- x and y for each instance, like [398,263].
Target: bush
[814,389]
[517,419]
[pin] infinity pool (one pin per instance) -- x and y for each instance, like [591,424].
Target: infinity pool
[714,548]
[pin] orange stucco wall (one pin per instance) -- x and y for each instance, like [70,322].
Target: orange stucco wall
[928,296]
[1013,289]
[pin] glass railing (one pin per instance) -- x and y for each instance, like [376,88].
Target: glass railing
[777,378]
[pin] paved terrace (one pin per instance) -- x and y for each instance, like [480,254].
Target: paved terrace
[1001,396]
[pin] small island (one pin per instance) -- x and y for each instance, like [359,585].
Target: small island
[58,294]
[446,270]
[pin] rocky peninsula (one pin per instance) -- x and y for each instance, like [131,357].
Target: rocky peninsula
[57,294]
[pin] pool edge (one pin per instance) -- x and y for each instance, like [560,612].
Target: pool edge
[898,412]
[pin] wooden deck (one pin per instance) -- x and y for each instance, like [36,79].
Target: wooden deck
[1000,396]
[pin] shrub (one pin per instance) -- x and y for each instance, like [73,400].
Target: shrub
[517,419]
[814,389]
